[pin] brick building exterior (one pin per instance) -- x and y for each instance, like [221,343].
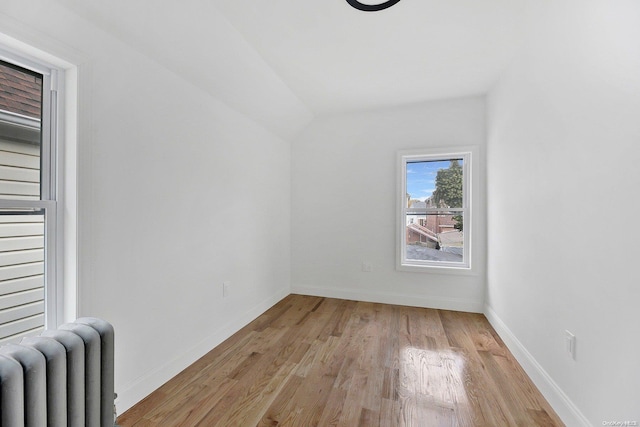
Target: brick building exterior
[20,93]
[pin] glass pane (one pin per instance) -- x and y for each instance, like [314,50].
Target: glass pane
[20,142]
[435,184]
[21,273]
[435,237]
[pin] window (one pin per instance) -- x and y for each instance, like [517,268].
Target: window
[29,219]
[434,223]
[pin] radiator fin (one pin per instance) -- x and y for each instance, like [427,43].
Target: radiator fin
[107,389]
[74,347]
[12,394]
[55,356]
[91,340]
[34,371]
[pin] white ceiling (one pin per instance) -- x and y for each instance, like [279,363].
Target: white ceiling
[335,57]
[283,61]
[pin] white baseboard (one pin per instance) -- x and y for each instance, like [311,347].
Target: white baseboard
[455,304]
[558,400]
[132,393]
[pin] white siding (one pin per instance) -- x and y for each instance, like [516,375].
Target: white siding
[19,170]
[21,244]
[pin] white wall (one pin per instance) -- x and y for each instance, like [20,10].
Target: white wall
[177,193]
[562,181]
[344,204]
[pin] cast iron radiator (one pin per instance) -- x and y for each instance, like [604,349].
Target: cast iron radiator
[62,378]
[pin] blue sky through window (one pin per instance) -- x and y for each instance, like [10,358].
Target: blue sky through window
[421,177]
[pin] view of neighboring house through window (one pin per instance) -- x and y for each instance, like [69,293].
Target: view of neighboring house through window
[435,210]
[27,202]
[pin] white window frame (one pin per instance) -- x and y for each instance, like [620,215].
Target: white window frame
[51,197]
[469,154]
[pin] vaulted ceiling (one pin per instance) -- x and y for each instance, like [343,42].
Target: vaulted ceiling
[284,61]
[336,57]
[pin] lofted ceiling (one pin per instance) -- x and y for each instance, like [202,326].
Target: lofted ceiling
[335,57]
[284,61]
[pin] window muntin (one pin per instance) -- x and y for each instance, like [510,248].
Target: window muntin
[435,215]
[28,291]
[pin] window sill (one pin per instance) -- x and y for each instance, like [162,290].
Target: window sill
[437,269]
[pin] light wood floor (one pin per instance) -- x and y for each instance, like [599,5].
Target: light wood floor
[311,361]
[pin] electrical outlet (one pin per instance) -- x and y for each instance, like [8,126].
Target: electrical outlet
[570,343]
[366,267]
[225,289]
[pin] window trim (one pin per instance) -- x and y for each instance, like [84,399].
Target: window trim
[469,154]
[51,194]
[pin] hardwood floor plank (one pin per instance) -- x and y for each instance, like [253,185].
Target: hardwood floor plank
[343,318]
[248,410]
[522,385]
[391,384]
[481,390]
[313,361]
[188,412]
[203,367]
[369,418]
[314,323]
[146,423]
[512,400]
[143,407]
[333,408]
[307,409]
[239,371]
[296,312]
[541,418]
[352,408]
[278,411]
[258,376]
[484,336]
[386,413]
[332,323]
[306,362]
[270,317]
